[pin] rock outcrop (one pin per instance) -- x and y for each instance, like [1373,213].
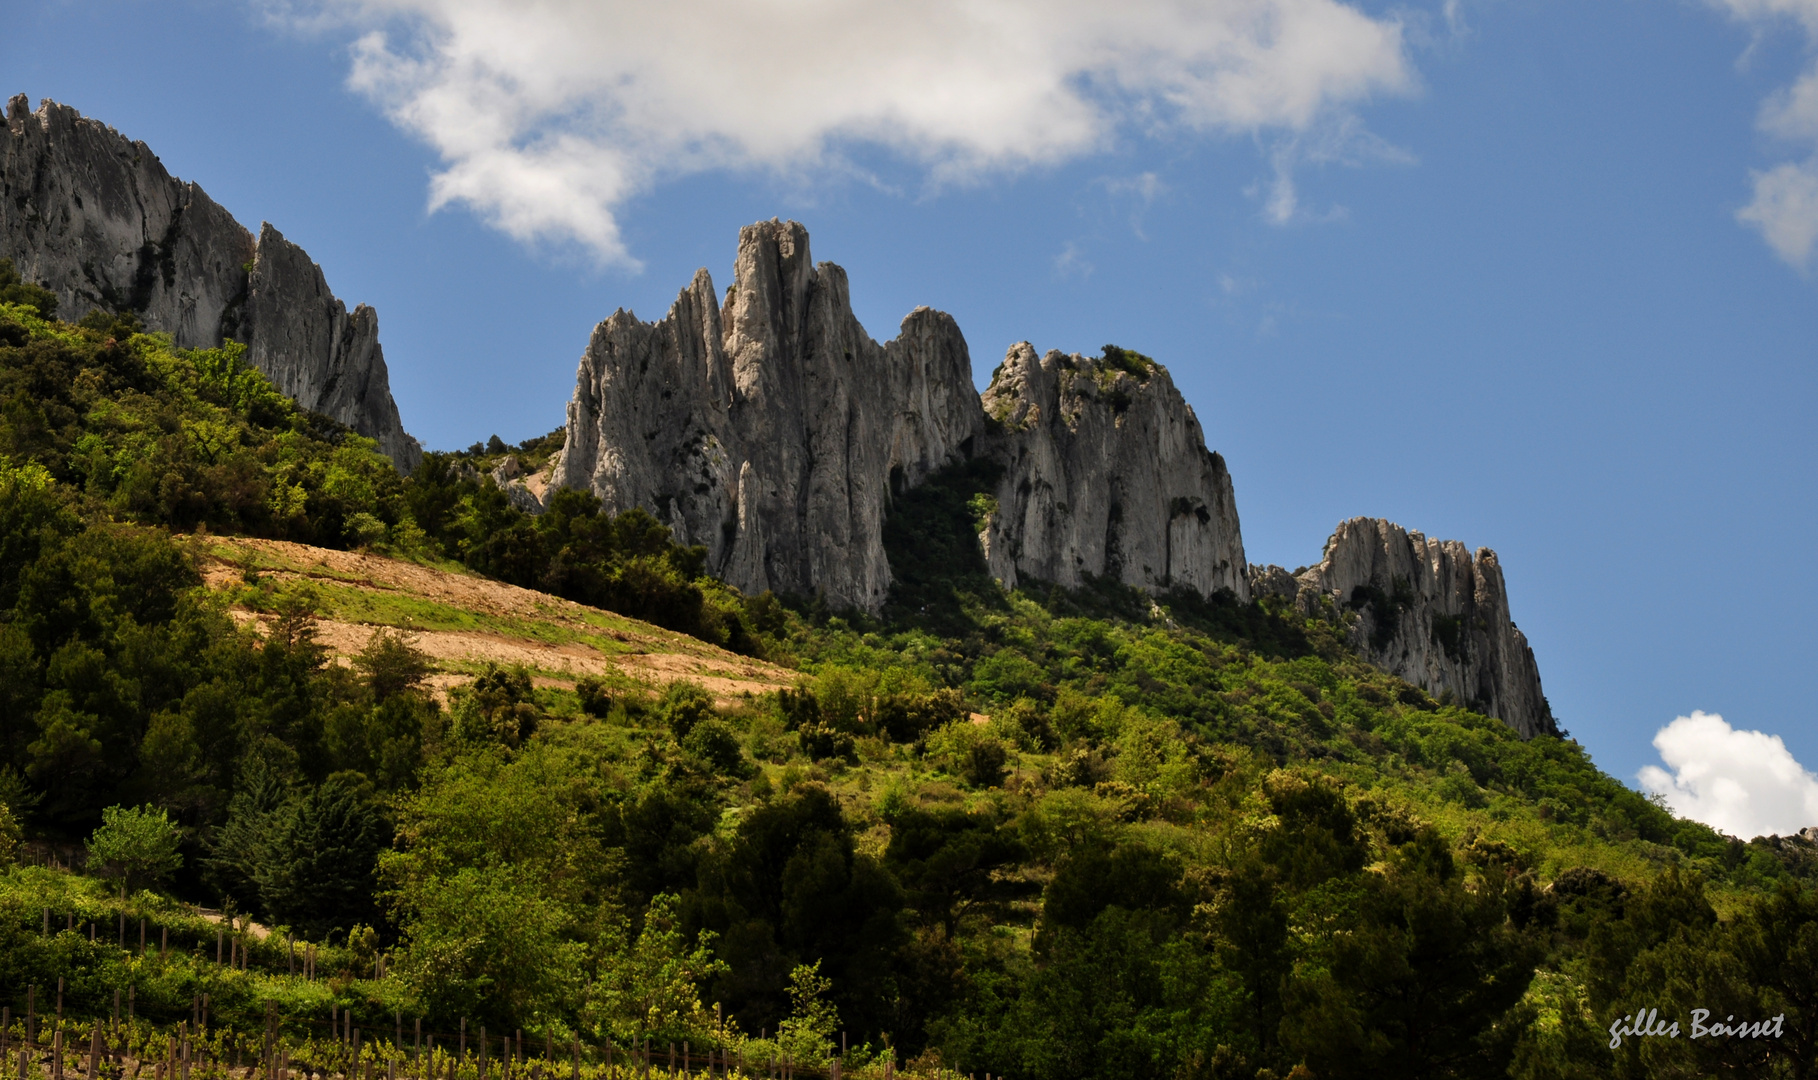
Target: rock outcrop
[771,430]
[775,432]
[95,218]
[1427,611]
[1107,474]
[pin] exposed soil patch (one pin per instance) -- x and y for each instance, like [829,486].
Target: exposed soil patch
[643,652]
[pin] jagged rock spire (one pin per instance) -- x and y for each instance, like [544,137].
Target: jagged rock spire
[773,431]
[1107,475]
[769,430]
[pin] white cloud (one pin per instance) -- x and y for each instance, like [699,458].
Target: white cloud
[1785,209]
[550,114]
[1745,783]
[1785,203]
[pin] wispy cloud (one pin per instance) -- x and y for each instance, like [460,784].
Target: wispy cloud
[1072,262]
[1143,189]
[549,115]
[1744,783]
[1784,203]
[1341,140]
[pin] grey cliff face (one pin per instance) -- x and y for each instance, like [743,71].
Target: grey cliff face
[308,343]
[770,430]
[1427,611]
[95,218]
[773,431]
[1107,474]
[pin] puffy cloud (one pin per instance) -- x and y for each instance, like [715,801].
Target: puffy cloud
[1745,783]
[549,114]
[1785,203]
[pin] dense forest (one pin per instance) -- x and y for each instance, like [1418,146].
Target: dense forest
[1042,834]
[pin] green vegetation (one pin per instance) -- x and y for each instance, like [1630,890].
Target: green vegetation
[132,430]
[14,291]
[1046,834]
[139,846]
[1129,361]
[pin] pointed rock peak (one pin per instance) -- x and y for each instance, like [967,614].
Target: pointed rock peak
[770,279]
[776,239]
[1108,476]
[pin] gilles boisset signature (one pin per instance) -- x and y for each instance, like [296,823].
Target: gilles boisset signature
[1646,1023]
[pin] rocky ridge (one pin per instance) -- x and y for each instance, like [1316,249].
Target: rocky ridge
[96,218]
[1426,611]
[774,431]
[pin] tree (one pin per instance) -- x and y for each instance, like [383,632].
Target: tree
[13,290]
[318,871]
[808,1034]
[136,845]
[392,664]
[241,847]
[683,705]
[650,988]
[9,836]
[949,860]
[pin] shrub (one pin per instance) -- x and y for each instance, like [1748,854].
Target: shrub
[10,836]
[713,743]
[596,699]
[970,752]
[683,705]
[821,741]
[15,291]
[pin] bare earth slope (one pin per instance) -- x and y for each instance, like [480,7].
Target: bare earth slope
[464,622]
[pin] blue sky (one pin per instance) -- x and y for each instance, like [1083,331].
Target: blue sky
[1513,302]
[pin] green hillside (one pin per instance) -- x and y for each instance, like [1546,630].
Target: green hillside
[1043,834]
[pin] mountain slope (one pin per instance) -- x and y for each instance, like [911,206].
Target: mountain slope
[1055,833]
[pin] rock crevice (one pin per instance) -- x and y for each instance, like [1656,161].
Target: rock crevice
[96,218]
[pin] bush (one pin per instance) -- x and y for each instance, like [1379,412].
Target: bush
[683,705]
[713,743]
[596,699]
[821,741]
[970,752]
[907,718]
[10,836]
[15,291]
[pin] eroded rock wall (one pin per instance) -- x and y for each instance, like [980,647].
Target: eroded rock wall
[770,430]
[96,218]
[1107,475]
[1427,611]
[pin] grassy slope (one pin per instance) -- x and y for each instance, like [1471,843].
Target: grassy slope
[464,620]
